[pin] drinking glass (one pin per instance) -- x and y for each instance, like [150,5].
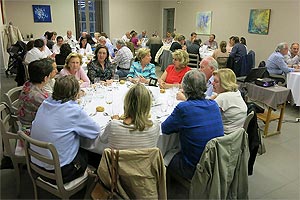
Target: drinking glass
[164,107]
[116,80]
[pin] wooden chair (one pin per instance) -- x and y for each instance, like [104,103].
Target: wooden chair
[12,98]
[61,190]
[193,60]
[9,136]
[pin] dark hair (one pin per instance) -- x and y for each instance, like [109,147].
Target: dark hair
[65,49]
[59,37]
[243,41]
[104,34]
[66,88]
[38,69]
[97,50]
[214,36]
[29,45]
[193,33]
[38,43]
[80,42]
[48,35]
[197,41]
[236,39]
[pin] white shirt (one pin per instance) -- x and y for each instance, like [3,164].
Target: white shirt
[56,49]
[234,110]
[34,54]
[125,38]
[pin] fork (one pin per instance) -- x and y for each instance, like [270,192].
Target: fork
[93,114]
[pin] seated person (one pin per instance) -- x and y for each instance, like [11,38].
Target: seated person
[179,43]
[275,63]
[194,47]
[100,67]
[168,39]
[65,50]
[73,67]
[238,50]
[221,52]
[175,72]
[122,59]
[293,57]
[64,133]
[134,39]
[136,130]
[192,39]
[232,106]
[36,53]
[142,70]
[33,92]
[211,43]
[56,47]
[85,47]
[110,47]
[196,120]
[50,84]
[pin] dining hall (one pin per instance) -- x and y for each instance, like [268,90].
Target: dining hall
[163,99]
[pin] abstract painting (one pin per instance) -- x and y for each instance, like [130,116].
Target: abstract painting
[203,22]
[41,13]
[259,21]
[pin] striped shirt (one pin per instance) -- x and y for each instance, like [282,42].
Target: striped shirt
[121,136]
[136,70]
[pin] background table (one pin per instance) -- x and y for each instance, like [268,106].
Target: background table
[293,83]
[274,97]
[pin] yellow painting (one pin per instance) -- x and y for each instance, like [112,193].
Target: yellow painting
[259,21]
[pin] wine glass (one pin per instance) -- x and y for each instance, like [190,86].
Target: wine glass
[116,80]
[109,98]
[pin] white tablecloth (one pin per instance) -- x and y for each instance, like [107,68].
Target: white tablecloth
[293,83]
[162,100]
[204,51]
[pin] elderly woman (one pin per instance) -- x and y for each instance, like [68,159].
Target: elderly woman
[142,70]
[100,67]
[197,121]
[33,92]
[175,72]
[229,99]
[73,67]
[64,132]
[136,130]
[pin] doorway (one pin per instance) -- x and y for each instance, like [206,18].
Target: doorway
[168,20]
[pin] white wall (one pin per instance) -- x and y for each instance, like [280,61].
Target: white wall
[230,17]
[20,13]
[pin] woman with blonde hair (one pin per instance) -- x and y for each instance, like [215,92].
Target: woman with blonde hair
[232,106]
[175,72]
[136,130]
[73,67]
[142,70]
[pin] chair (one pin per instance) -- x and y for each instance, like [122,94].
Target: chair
[193,60]
[165,59]
[222,169]
[61,190]
[9,138]
[153,50]
[248,119]
[222,62]
[12,98]
[141,173]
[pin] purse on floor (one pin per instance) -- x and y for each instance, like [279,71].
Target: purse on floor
[100,191]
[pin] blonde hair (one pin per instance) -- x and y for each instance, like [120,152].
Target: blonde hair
[72,55]
[227,79]
[182,56]
[137,104]
[142,52]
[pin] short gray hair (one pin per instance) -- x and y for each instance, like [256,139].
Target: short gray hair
[210,61]
[194,84]
[120,42]
[281,46]
[102,38]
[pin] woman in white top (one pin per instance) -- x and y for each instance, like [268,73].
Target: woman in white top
[135,130]
[85,47]
[232,106]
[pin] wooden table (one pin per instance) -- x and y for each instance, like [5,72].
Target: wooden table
[275,98]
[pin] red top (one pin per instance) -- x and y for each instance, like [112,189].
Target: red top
[174,76]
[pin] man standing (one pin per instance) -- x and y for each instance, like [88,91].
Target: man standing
[122,59]
[276,64]
[293,57]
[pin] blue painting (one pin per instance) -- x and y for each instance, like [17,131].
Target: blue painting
[41,13]
[259,21]
[203,22]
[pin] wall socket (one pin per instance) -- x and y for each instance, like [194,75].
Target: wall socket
[298,119]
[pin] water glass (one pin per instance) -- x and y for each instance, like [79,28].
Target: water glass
[116,80]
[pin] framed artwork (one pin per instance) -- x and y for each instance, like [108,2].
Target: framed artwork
[259,21]
[203,22]
[41,13]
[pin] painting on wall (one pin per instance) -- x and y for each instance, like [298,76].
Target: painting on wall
[259,21]
[203,22]
[41,13]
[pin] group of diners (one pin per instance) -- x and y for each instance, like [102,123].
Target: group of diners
[211,106]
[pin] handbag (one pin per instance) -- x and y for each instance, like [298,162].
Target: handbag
[100,191]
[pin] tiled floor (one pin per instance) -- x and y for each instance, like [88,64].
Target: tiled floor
[276,173]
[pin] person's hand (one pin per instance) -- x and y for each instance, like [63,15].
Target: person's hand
[80,81]
[162,84]
[180,96]
[213,96]
[143,79]
[116,117]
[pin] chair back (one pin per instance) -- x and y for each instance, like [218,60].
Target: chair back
[153,50]
[221,172]
[248,119]
[165,59]
[222,62]
[133,167]
[12,98]
[193,60]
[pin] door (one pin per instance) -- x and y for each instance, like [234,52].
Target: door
[168,20]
